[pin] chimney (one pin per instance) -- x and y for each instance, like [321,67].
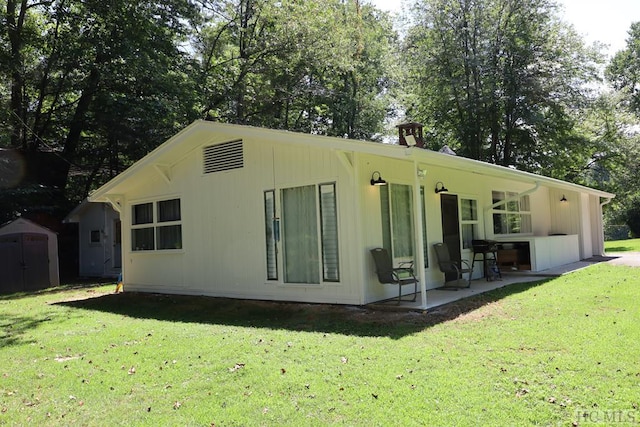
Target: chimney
[410,134]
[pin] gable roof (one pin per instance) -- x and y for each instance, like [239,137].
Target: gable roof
[201,133]
[23,225]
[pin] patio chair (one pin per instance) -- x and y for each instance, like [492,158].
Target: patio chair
[387,274]
[447,265]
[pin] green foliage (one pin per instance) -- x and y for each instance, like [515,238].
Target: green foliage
[498,80]
[311,66]
[624,69]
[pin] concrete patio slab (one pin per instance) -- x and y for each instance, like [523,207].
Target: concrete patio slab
[439,297]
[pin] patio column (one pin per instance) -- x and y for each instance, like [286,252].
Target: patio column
[417,225]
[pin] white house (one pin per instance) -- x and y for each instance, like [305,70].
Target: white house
[28,257]
[243,212]
[99,239]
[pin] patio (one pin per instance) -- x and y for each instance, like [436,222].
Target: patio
[437,297]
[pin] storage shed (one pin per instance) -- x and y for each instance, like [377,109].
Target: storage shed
[99,239]
[28,257]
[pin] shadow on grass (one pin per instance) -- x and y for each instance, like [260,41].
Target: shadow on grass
[619,249]
[323,318]
[14,328]
[75,285]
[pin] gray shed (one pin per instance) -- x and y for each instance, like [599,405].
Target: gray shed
[28,257]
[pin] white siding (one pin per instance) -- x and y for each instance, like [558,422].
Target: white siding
[223,226]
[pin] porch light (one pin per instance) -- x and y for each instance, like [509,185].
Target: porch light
[378,180]
[564,199]
[440,187]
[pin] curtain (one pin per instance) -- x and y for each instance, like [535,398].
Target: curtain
[169,210]
[300,235]
[402,222]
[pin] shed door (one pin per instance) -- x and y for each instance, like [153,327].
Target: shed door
[117,244]
[24,262]
[10,263]
[35,252]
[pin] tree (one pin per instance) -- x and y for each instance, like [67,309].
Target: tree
[623,72]
[95,81]
[624,69]
[307,66]
[498,80]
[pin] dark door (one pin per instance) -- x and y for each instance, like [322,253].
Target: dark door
[24,262]
[35,256]
[117,244]
[450,228]
[10,263]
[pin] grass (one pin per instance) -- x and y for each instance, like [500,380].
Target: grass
[541,353]
[631,245]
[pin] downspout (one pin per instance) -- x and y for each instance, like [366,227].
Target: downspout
[417,225]
[602,253]
[516,197]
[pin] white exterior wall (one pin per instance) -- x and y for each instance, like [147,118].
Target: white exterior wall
[222,213]
[223,228]
[548,214]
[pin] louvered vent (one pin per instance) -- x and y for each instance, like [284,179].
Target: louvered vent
[223,157]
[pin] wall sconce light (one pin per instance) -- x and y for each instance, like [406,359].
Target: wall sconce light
[440,187]
[564,199]
[378,180]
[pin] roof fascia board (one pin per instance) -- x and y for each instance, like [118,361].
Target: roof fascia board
[427,157]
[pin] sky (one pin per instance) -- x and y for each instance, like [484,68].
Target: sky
[606,21]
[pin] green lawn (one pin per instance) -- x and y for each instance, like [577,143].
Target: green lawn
[545,353]
[631,245]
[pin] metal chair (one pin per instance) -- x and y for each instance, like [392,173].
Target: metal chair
[447,265]
[399,276]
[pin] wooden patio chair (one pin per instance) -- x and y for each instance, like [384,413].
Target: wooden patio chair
[387,274]
[447,265]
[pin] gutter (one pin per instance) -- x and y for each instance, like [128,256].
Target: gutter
[516,197]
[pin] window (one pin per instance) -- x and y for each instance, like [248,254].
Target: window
[396,204]
[329,233]
[425,246]
[162,234]
[94,236]
[468,221]
[271,226]
[309,234]
[513,215]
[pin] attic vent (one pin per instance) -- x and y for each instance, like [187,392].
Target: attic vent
[223,157]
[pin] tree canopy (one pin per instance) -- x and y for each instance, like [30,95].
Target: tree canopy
[99,84]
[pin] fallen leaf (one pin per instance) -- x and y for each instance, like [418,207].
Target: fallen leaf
[236,367]
[177,405]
